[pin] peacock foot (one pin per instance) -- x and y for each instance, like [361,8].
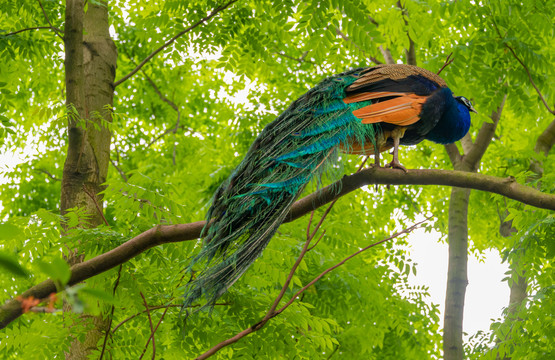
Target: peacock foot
[395,164]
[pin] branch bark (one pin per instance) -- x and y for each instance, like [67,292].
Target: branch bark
[273,312]
[160,234]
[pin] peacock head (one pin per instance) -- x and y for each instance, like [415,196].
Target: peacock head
[466,102]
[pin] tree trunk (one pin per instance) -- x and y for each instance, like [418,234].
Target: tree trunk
[457,276]
[90,62]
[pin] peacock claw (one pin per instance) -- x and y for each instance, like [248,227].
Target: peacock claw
[396,165]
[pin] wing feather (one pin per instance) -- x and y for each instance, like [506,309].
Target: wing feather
[402,110]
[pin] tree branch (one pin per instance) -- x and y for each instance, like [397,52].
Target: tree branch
[120,171]
[448,62]
[163,234]
[31,28]
[56,30]
[524,66]
[151,330]
[300,60]
[275,313]
[483,139]
[411,51]
[453,152]
[204,19]
[546,140]
[387,55]
[48,173]
[173,106]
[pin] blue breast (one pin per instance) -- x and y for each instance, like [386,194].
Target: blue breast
[453,125]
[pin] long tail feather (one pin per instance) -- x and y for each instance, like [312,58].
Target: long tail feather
[252,203]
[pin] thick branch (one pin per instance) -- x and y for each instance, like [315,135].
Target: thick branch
[170,41]
[546,140]
[176,233]
[483,139]
[453,152]
[387,55]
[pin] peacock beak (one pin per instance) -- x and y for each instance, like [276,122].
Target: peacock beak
[471,108]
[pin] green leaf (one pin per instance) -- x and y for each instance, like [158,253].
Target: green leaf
[10,232]
[10,264]
[99,294]
[57,269]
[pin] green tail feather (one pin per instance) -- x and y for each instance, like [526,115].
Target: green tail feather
[252,203]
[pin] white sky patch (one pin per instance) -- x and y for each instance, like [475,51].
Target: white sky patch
[486,293]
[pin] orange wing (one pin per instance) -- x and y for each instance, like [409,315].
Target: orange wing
[402,110]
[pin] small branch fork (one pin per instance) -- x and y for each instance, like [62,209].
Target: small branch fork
[273,312]
[448,62]
[170,41]
[50,27]
[152,330]
[310,235]
[56,30]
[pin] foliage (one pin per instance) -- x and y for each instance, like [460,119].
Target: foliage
[167,164]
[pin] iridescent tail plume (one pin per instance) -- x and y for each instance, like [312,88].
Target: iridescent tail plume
[252,203]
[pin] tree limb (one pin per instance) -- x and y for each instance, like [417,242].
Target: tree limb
[273,313]
[387,55]
[162,234]
[31,28]
[56,30]
[483,139]
[546,140]
[170,41]
[453,152]
[524,66]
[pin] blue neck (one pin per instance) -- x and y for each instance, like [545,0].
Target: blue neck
[452,126]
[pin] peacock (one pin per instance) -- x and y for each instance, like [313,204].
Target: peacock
[361,111]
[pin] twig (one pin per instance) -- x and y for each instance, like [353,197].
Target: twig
[157,307]
[524,66]
[28,29]
[300,60]
[48,21]
[260,324]
[151,330]
[111,316]
[166,132]
[93,198]
[48,173]
[317,241]
[121,173]
[204,19]
[158,92]
[175,132]
[173,106]
[448,62]
[530,78]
